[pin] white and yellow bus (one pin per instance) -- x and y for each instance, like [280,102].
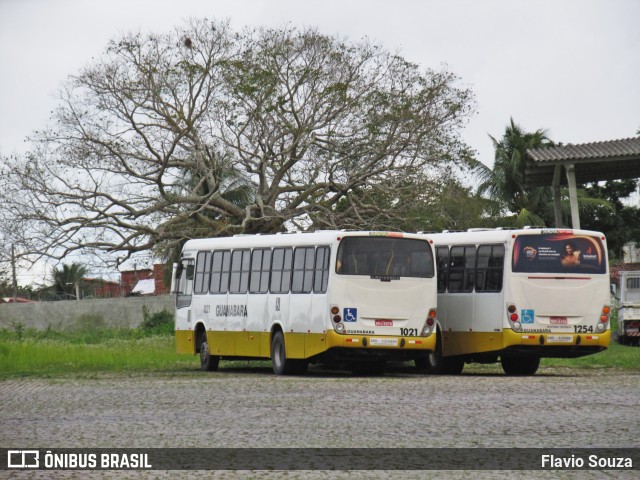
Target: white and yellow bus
[340,298]
[518,296]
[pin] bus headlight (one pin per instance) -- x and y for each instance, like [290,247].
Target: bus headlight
[516,326]
[339,327]
[600,327]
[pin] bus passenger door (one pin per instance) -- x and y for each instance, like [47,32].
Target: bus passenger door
[301,299]
[184,294]
[319,316]
[460,305]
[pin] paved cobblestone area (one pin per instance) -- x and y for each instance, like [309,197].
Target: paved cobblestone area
[253,408]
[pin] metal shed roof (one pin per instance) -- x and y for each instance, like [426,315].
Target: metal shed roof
[594,161]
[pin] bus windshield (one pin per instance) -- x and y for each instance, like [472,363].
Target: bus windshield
[558,253]
[385,257]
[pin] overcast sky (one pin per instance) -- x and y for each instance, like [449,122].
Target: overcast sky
[569,66]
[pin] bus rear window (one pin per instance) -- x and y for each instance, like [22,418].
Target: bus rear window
[385,257]
[555,253]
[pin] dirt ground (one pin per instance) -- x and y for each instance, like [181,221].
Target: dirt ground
[253,408]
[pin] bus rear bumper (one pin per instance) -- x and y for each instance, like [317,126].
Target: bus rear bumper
[373,342]
[558,345]
[489,345]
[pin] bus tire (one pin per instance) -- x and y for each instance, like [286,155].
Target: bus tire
[208,362]
[279,362]
[435,361]
[439,365]
[434,358]
[519,365]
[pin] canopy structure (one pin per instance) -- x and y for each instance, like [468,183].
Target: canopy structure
[587,162]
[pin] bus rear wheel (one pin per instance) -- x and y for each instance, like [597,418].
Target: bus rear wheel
[519,365]
[208,362]
[440,365]
[280,363]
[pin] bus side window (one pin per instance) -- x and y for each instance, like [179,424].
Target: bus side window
[260,268]
[203,272]
[281,270]
[470,268]
[462,269]
[185,284]
[321,273]
[442,256]
[240,265]
[303,263]
[220,269]
[490,267]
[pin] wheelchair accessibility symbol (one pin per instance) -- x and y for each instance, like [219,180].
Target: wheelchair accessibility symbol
[528,316]
[350,315]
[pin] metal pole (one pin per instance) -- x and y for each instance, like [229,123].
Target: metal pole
[557,208]
[13,270]
[573,195]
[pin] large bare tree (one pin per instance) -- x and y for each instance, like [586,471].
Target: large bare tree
[206,131]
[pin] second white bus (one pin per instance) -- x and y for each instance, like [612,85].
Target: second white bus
[519,296]
[341,298]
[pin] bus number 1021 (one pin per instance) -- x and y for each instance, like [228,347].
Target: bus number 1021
[409,332]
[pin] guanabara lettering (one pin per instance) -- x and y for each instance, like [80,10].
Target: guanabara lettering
[231,311]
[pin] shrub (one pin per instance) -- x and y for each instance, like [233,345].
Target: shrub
[157,323]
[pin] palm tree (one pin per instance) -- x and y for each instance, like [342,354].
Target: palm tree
[226,181]
[505,182]
[67,278]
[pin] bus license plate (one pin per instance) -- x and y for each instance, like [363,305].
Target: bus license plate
[559,338]
[384,342]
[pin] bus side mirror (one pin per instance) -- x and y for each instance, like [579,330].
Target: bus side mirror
[177,273]
[614,290]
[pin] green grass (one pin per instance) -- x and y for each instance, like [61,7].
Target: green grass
[93,351]
[616,356]
[46,357]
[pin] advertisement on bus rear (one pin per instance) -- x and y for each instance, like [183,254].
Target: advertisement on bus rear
[558,254]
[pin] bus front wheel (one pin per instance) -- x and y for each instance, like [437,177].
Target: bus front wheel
[208,362]
[519,365]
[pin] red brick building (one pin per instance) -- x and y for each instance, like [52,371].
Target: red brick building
[139,280]
[136,282]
